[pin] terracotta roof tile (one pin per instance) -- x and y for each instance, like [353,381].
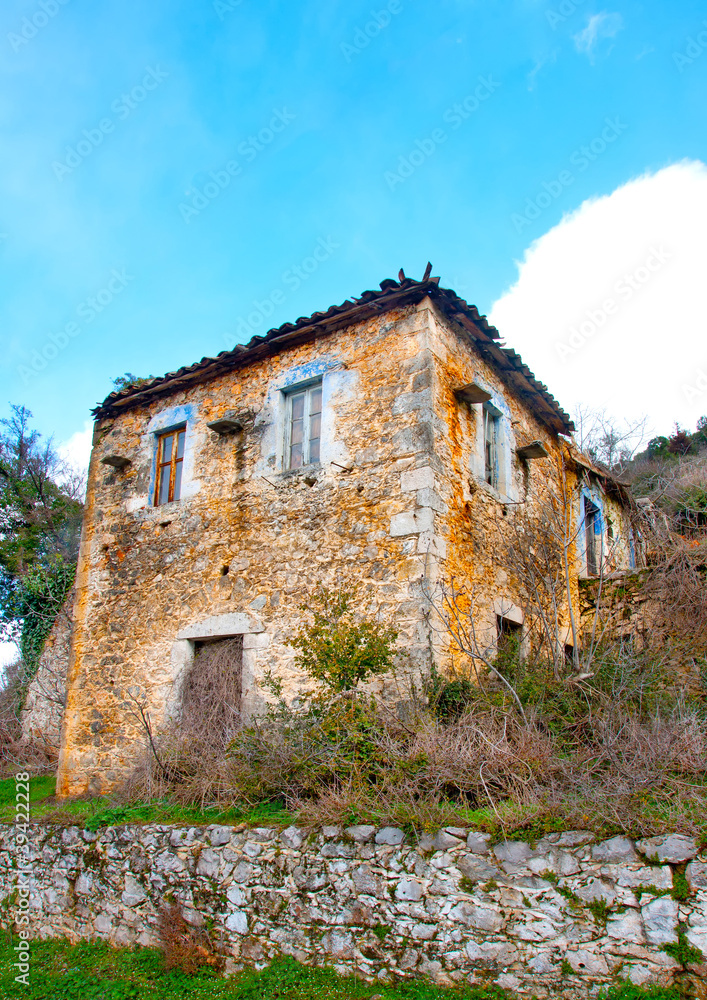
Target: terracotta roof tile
[391,294]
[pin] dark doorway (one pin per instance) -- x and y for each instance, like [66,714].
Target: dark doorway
[508,636]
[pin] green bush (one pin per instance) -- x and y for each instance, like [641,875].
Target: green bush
[338,650]
[451,698]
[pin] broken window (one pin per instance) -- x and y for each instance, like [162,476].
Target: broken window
[304,425]
[212,691]
[592,536]
[491,446]
[170,459]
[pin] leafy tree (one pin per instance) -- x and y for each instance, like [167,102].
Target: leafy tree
[338,650]
[130,381]
[657,447]
[40,522]
[679,442]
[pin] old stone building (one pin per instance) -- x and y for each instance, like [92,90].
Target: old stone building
[388,444]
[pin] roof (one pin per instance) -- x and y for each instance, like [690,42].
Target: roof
[612,484]
[392,294]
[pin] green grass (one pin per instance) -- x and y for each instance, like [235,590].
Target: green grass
[631,992]
[93,813]
[39,789]
[97,972]
[164,811]
[509,821]
[683,951]
[60,971]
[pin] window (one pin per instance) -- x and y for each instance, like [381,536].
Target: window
[170,459]
[304,424]
[592,536]
[491,443]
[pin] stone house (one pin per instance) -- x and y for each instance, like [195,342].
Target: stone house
[386,444]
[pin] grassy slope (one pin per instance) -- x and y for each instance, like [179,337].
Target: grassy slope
[519,822]
[93,813]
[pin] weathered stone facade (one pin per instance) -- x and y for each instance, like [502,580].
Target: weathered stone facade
[397,506]
[455,907]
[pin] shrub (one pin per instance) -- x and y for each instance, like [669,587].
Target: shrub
[339,651]
[185,947]
[451,698]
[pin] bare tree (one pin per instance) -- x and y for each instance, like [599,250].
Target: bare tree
[608,441]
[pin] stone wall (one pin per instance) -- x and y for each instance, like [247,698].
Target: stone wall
[629,611]
[453,908]
[624,607]
[43,711]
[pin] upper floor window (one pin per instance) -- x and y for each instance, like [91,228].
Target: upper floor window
[170,459]
[491,446]
[304,426]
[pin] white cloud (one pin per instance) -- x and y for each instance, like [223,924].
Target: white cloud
[77,449]
[608,306]
[595,39]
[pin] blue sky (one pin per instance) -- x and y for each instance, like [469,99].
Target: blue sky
[177,162]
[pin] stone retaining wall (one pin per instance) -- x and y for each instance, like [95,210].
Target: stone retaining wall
[453,907]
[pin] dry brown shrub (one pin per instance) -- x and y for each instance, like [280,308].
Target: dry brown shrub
[185,947]
[481,756]
[188,759]
[677,585]
[640,776]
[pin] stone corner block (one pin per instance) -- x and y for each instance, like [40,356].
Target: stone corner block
[412,522]
[417,479]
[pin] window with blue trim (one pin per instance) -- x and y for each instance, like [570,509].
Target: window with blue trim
[170,461]
[592,536]
[303,427]
[492,437]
